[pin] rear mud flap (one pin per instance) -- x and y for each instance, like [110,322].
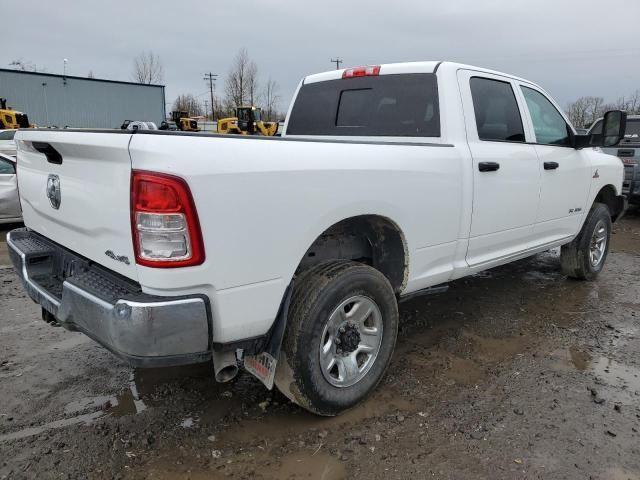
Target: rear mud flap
[263,365]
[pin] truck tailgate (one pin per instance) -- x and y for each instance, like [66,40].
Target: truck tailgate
[92,171]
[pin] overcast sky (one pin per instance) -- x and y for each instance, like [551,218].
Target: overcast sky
[572,48]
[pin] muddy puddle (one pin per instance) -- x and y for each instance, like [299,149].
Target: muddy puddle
[605,371]
[293,421]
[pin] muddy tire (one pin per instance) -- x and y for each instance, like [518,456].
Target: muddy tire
[586,255]
[341,332]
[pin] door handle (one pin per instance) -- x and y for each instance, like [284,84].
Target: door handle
[551,165]
[488,166]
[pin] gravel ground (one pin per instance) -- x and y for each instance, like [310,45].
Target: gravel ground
[513,373]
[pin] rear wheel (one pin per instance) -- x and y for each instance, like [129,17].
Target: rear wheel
[586,255]
[341,332]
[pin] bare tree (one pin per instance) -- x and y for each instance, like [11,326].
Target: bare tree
[252,82]
[585,110]
[242,80]
[630,104]
[577,112]
[90,74]
[188,103]
[596,110]
[237,78]
[147,68]
[271,99]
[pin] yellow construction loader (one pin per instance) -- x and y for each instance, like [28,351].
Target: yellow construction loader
[248,121]
[10,118]
[184,122]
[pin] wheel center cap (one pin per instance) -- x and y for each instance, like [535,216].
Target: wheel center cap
[349,338]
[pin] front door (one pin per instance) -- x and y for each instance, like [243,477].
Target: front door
[506,170]
[566,172]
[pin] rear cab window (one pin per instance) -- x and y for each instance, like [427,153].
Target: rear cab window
[399,105]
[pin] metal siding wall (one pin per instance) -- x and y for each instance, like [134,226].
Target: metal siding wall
[81,103]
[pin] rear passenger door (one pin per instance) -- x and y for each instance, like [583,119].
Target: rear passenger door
[506,170]
[565,171]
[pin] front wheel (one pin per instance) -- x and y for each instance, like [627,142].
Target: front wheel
[585,256]
[341,332]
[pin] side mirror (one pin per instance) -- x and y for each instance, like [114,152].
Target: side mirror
[614,124]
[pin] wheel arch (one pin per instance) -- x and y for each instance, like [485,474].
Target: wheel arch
[374,239]
[609,196]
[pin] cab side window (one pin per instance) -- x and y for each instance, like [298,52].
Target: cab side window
[496,109]
[6,167]
[549,126]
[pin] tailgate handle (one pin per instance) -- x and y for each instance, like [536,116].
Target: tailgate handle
[53,156]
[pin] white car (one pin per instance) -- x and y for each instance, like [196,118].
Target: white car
[288,255]
[7,144]
[9,201]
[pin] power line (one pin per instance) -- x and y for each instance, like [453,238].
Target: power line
[337,61]
[211,78]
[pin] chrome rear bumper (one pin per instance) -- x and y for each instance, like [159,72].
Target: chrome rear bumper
[146,330]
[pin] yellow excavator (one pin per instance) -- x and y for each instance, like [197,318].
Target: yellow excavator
[184,122]
[11,119]
[248,121]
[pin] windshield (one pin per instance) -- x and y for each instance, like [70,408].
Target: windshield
[632,133]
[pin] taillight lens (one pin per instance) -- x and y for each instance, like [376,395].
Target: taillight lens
[369,71]
[164,222]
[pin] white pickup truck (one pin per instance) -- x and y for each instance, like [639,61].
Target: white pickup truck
[288,255]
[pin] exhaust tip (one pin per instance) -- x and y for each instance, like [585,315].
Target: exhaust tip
[226,374]
[225,366]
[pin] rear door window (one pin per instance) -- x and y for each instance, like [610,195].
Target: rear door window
[496,109]
[387,105]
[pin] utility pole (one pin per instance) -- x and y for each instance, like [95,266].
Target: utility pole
[211,78]
[337,61]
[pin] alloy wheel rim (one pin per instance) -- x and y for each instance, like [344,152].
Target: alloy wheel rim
[598,244]
[350,341]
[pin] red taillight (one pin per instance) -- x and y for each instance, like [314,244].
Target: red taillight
[369,71]
[628,161]
[164,222]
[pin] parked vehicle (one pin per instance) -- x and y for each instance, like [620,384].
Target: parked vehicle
[10,118]
[168,126]
[248,121]
[9,201]
[290,253]
[184,122]
[138,125]
[629,152]
[7,144]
